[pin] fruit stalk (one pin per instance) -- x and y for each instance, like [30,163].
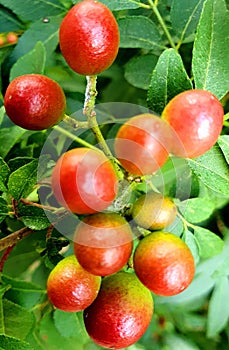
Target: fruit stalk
[14,237]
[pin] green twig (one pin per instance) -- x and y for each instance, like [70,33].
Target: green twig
[76,124]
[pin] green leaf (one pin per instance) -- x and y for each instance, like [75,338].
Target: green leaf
[35,218]
[22,181]
[8,138]
[175,342]
[138,70]
[218,311]
[168,79]
[223,142]
[116,5]
[208,242]
[2,109]
[32,9]
[186,24]
[11,343]
[211,49]
[3,209]
[139,32]
[4,174]
[69,324]
[190,240]
[8,22]
[196,210]
[212,169]
[31,63]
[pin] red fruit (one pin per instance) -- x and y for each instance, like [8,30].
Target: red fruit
[70,288]
[84,181]
[34,102]
[12,38]
[142,144]
[164,263]
[89,37]
[197,119]
[121,313]
[103,243]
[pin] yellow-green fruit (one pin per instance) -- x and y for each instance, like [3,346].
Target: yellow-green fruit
[71,288]
[154,211]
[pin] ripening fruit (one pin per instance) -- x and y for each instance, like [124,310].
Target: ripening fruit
[142,144]
[121,313]
[11,38]
[70,288]
[196,116]
[164,263]
[84,181]
[154,211]
[103,243]
[34,102]
[89,37]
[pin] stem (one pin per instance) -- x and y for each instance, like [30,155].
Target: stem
[76,124]
[45,207]
[162,23]
[14,237]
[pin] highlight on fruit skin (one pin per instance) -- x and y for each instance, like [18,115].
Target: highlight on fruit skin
[154,211]
[121,313]
[89,37]
[196,118]
[164,263]
[34,102]
[71,288]
[103,243]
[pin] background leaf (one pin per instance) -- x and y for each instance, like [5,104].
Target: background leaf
[11,343]
[115,5]
[211,49]
[208,242]
[196,209]
[168,79]
[8,138]
[223,142]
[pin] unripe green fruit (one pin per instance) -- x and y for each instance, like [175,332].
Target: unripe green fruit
[154,211]
[34,102]
[103,243]
[71,288]
[121,313]
[89,37]
[164,263]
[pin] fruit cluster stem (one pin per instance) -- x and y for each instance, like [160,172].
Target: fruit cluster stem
[14,237]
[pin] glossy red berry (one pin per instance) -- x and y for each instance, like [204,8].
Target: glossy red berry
[84,181]
[89,37]
[142,144]
[34,102]
[103,243]
[196,116]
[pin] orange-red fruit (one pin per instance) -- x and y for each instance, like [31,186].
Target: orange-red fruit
[70,288]
[84,181]
[34,102]
[154,211]
[164,263]
[89,37]
[12,38]
[103,243]
[121,313]
[142,144]
[196,116]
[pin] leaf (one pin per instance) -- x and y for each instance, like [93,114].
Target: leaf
[190,240]
[69,324]
[32,9]
[209,65]
[212,169]
[116,5]
[8,22]
[223,142]
[4,173]
[208,242]
[11,343]
[31,63]
[8,138]
[218,310]
[138,70]
[139,32]
[35,218]
[186,24]
[22,181]
[174,342]
[3,209]
[168,79]
[196,210]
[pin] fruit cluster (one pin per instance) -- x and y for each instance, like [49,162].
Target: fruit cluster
[107,278]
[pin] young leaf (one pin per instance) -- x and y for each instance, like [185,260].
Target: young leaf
[139,32]
[138,70]
[196,209]
[218,311]
[22,181]
[8,138]
[168,79]
[209,65]
[11,343]
[31,63]
[223,142]
[212,169]
[209,243]
[186,24]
